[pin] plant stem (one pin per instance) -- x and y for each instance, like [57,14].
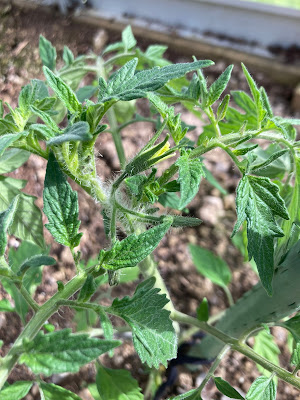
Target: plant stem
[214,366]
[116,136]
[36,322]
[238,346]
[229,295]
[29,300]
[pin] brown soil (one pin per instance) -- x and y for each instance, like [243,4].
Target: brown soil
[19,62]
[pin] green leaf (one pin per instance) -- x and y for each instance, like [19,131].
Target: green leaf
[12,159]
[265,346]
[174,122]
[88,289]
[295,359]
[225,388]
[35,93]
[31,279]
[106,325]
[27,223]
[60,206]
[63,351]
[222,109]
[256,94]
[258,167]
[117,384]
[190,395]
[68,56]
[16,391]
[35,262]
[218,87]
[190,174]
[203,310]
[80,131]
[86,92]
[63,91]
[126,85]
[47,119]
[293,325]
[258,201]
[47,53]
[7,140]
[5,306]
[54,392]
[135,248]
[6,219]
[153,334]
[128,39]
[212,267]
[262,388]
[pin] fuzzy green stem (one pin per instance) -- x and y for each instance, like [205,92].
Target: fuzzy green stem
[29,300]
[36,323]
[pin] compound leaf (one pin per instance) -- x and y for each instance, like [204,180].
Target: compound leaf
[135,248]
[54,392]
[60,206]
[212,267]
[258,201]
[117,384]
[153,334]
[16,391]
[262,388]
[63,351]
[63,91]
[126,85]
[190,174]
[225,388]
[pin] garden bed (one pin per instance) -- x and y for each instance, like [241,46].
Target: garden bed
[19,62]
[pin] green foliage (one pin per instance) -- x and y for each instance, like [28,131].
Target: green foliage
[54,392]
[47,53]
[225,388]
[62,90]
[135,248]
[265,346]
[16,391]
[212,267]
[190,174]
[80,131]
[27,222]
[258,201]
[60,206]
[190,395]
[117,384]
[62,351]
[262,388]
[154,337]
[203,310]
[6,218]
[126,85]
